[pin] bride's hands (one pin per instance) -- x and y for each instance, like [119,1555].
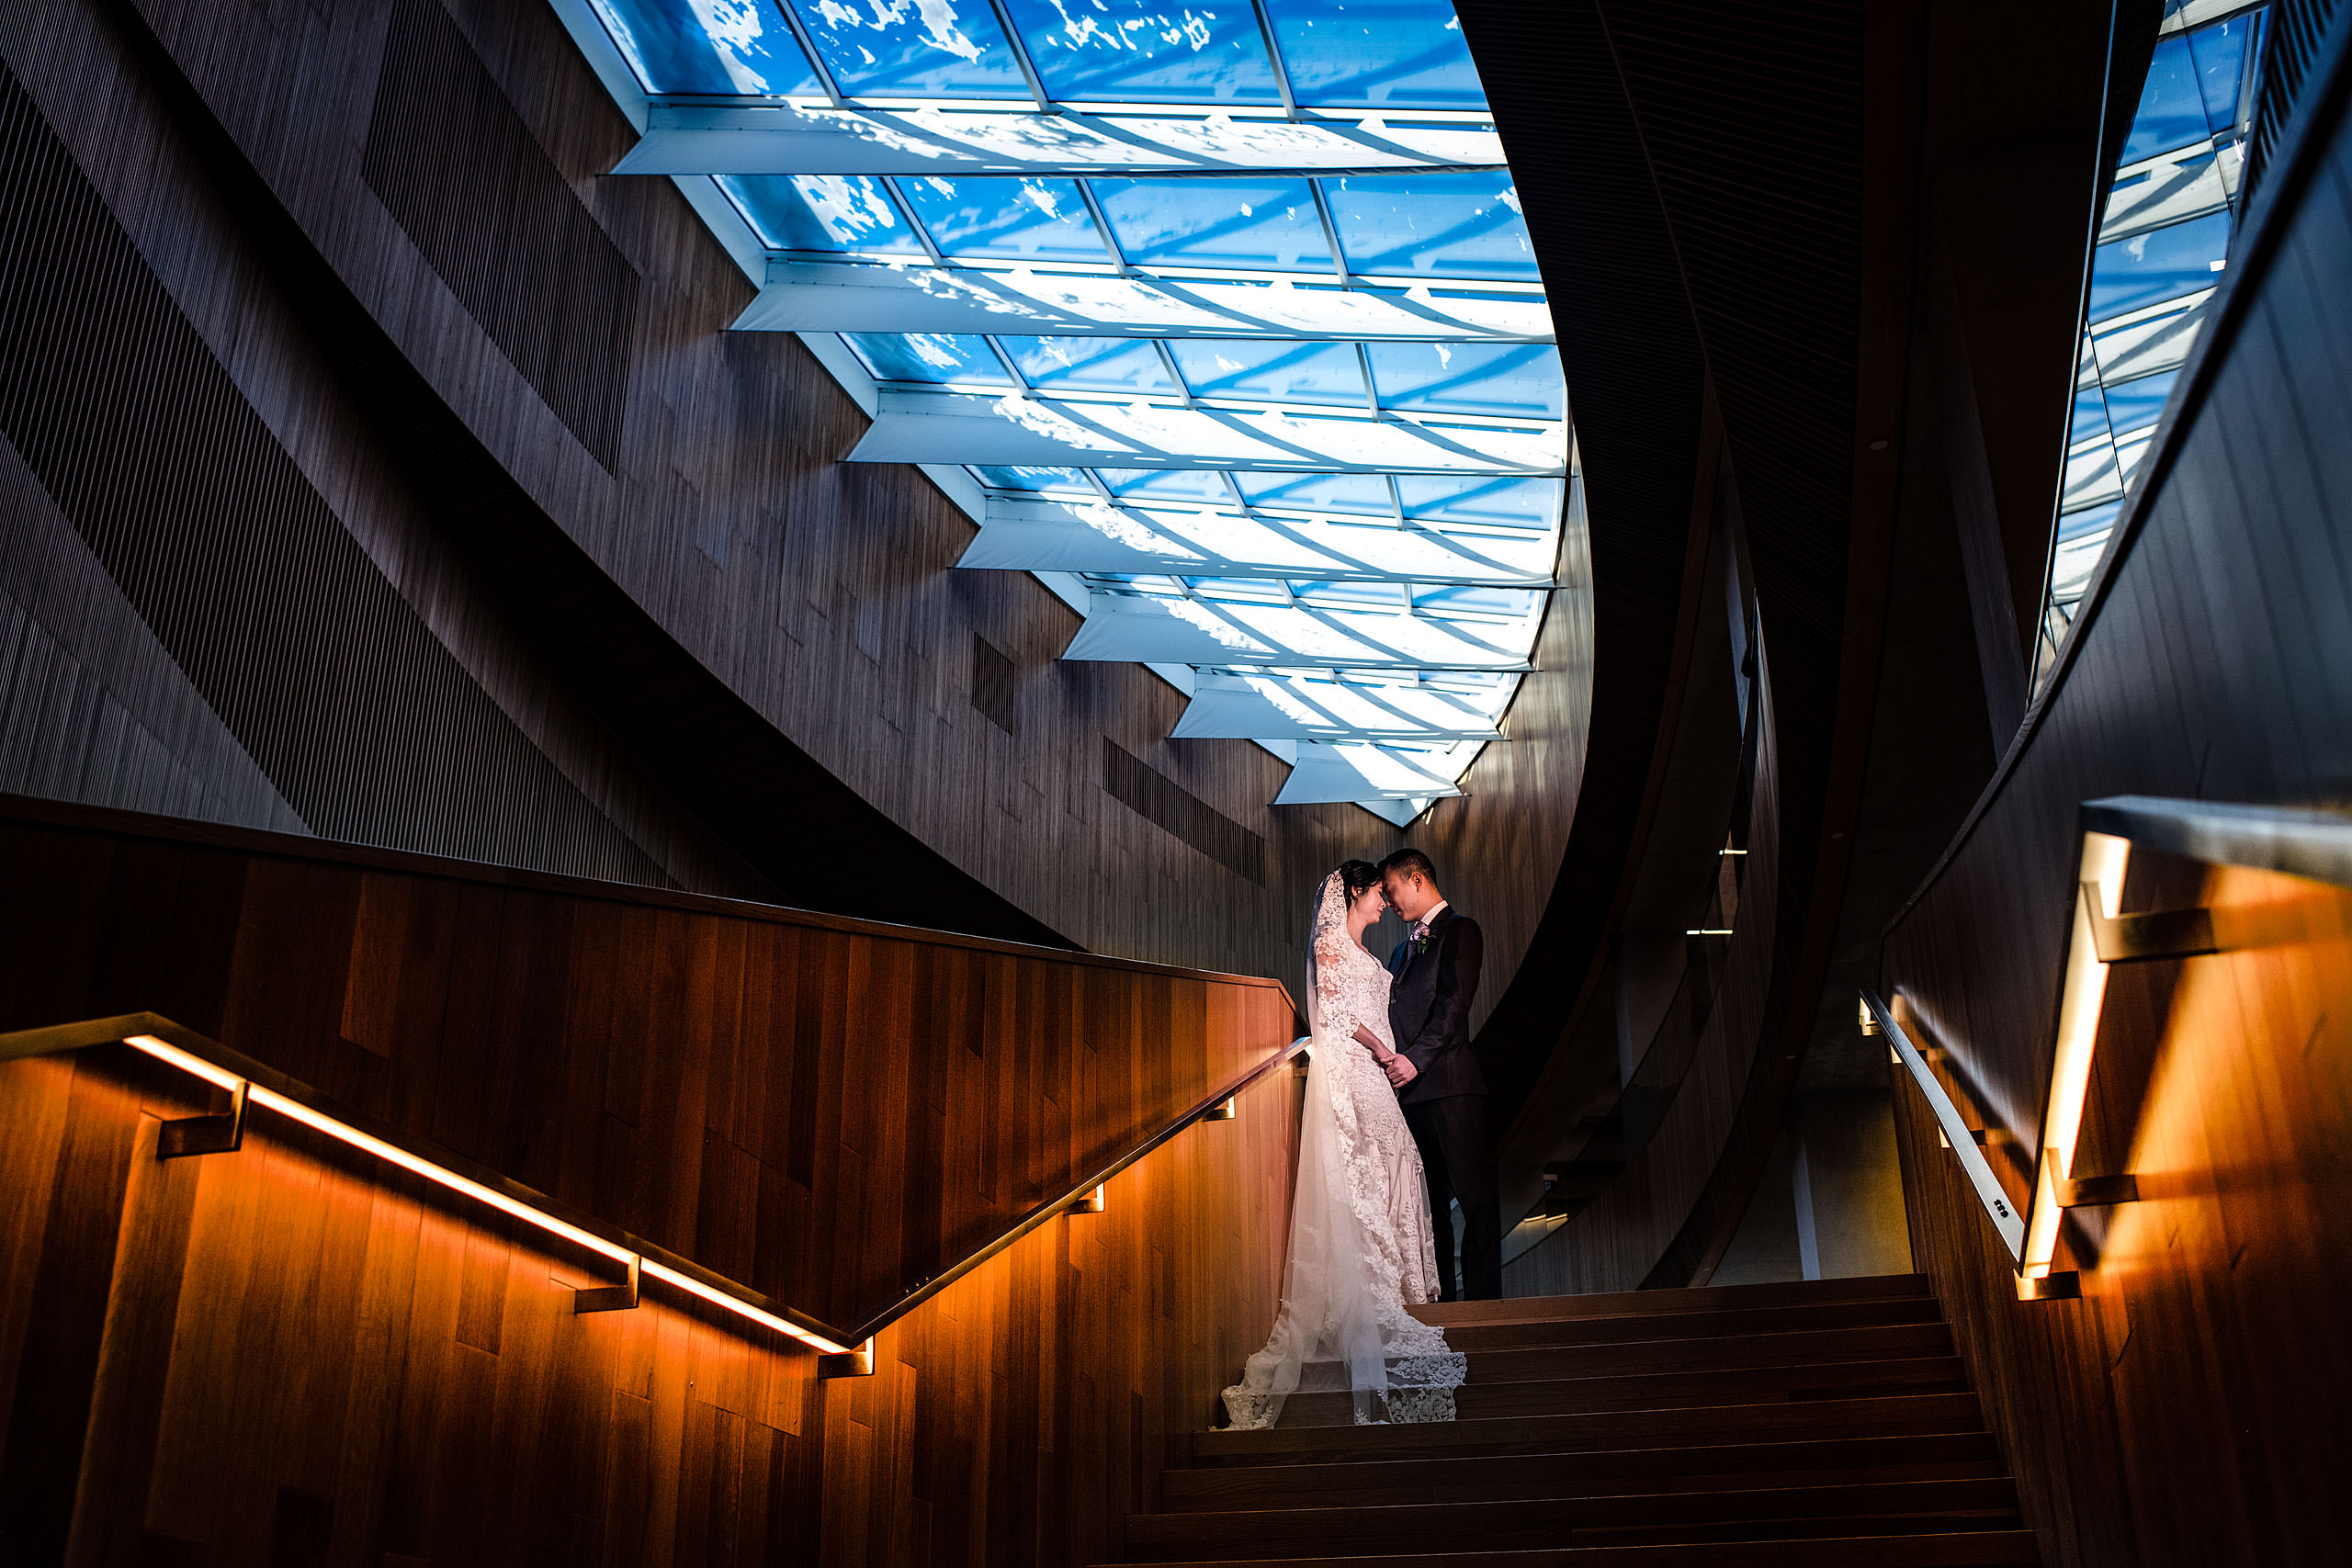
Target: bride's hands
[1400,1069]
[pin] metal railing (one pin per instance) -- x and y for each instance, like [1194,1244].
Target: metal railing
[2315,845]
[252,1086]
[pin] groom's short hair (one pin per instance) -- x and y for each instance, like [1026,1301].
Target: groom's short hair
[1411,862]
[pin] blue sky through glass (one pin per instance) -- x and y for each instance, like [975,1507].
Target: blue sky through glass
[1144,51]
[707,46]
[842,213]
[1252,224]
[950,48]
[1383,55]
[1464,225]
[1015,219]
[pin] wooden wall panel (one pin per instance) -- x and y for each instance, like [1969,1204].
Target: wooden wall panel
[2185,1411]
[825,1111]
[289,1355]
[198,521]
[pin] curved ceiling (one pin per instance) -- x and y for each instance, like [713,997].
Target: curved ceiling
[1225,323]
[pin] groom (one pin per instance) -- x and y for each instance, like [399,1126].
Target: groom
[1435,971]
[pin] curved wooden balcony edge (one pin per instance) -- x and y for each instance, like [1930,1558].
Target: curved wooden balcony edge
[112,821]
[843,1350]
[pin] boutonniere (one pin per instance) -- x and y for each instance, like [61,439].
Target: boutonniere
[1421,941]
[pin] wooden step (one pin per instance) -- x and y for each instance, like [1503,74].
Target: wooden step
[1802,1347]
[1483,1398]
[1786,1420]
[1587,1474]
[1887,1507]
[1705,1298]
[1627,1328]
[1972,1549]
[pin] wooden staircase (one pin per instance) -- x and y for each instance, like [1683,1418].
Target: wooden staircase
[1825,1424]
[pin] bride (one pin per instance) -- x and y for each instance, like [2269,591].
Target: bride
[1359,1244]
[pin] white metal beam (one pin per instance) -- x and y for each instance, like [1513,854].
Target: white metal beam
[767,136]
[852,297]
[1017,430]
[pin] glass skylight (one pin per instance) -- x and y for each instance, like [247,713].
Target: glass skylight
[2163,243]
[1225,320]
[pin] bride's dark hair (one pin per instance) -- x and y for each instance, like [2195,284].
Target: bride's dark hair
[1359,878]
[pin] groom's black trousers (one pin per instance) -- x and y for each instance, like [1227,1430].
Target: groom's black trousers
[1460,1166]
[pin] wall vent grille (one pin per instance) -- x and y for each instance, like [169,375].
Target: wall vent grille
[993,677]
[462,174]
[1160,800]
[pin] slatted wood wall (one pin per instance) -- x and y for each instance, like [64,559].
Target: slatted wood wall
[282,1355]
[2185,1410]
[825,1111]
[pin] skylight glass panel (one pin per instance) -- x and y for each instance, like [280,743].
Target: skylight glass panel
[1197,485]
[1351,595]
[1237,590]
[2219,55]
[2161,265]
[727,47]
[1008,219]
[1272,372]
[1254,225]
[1458,225]
[1035,481]
[1089,365]
[1363,493]
[837,213]
[1147,52]
[1476,378]
[1513,503]
[2133,405]
[881,48]
[2192,88]
[940,358]
[1375,54]
[1469,602]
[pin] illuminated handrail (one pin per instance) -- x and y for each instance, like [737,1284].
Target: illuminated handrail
[1956,1131]
[251,1083]
[2316,845]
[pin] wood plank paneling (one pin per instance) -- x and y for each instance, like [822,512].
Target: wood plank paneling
[2188,1409]
[303,1357]
[828,1111]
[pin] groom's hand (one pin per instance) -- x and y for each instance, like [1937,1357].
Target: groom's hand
[1401,1071]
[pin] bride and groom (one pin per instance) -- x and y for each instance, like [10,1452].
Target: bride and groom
[1392,1137]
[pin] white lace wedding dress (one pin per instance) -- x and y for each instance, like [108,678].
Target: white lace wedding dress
[1360,1243]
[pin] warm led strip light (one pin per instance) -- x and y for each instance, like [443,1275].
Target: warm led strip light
[295,1110]
[2080,1003]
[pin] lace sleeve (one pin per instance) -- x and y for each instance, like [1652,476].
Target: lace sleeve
[1330,984]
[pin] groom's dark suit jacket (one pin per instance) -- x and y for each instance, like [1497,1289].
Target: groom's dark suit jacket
[1429,1007]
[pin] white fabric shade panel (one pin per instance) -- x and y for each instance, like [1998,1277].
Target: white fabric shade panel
[1105,537]
[1016,431]
[854,296]
[1329,773]
[1147,629]
[1292,707]
[768,137]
